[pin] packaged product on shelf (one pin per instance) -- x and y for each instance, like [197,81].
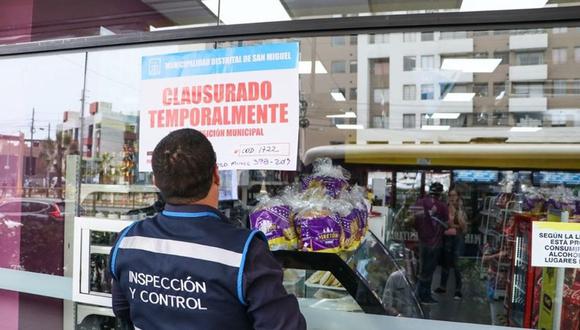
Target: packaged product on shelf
[540,200]
[123,200]
[326,216]
[334,179]
[571,309]
[349,220]
[533,203]
[297,201]
[362,207]
[503,199]
[323,278]
[273,217]
[571,300]
[320,228]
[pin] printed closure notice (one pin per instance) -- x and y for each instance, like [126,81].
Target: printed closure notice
[556,244]
[244,99]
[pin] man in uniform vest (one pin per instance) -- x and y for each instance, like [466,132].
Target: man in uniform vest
[187,267]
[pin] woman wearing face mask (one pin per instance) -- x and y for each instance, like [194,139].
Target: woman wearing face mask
[453,243]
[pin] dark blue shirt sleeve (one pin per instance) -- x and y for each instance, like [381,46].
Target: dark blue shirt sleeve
[120,302]
[269,305]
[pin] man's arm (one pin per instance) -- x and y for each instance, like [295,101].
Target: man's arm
[120,302]
[121,307]
[269,305]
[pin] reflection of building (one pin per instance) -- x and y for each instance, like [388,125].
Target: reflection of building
[34,166]
[404,80]
[403,91]
[395,85]
[328,69]
[104,131]
[12,153]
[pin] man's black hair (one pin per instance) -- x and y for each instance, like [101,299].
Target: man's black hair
[183,163]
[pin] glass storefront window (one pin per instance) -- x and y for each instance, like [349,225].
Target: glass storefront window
[409,92]
[530,58]
[424,109]
[427,91]
[409,63]
[35,213]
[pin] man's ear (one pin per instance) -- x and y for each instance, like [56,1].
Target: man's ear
[216,176]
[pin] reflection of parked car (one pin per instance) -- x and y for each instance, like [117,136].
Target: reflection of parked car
[35,227]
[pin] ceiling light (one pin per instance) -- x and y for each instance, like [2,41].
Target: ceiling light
[248,11]
[435,127]
[348,114]
[338,96]
[479,5]
[449,115]
[305,67]
[349,126]
[484,65]
[525,129]
[458,97]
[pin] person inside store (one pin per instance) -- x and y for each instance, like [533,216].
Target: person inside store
[453,242]
[188,267]
[429,218]
[398,295]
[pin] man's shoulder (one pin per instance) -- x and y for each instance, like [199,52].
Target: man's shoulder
[140,224]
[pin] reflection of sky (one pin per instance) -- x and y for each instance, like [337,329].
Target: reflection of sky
[52,84]
[114,76]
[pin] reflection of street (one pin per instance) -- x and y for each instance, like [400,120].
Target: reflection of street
[32,231]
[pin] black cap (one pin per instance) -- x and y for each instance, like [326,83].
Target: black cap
[436,188]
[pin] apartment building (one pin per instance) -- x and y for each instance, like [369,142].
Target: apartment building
[104,130]
[407,94]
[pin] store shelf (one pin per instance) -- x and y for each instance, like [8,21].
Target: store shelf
[85,310]
[520,289]
[491,232]
[488,231]
[100,249]
[506,305]
[87,189]
[486,213]
[522,262]
[268,183]
[502,271]
[113,208]
[499,293]
[494,216]
[100,294]
[326,287]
